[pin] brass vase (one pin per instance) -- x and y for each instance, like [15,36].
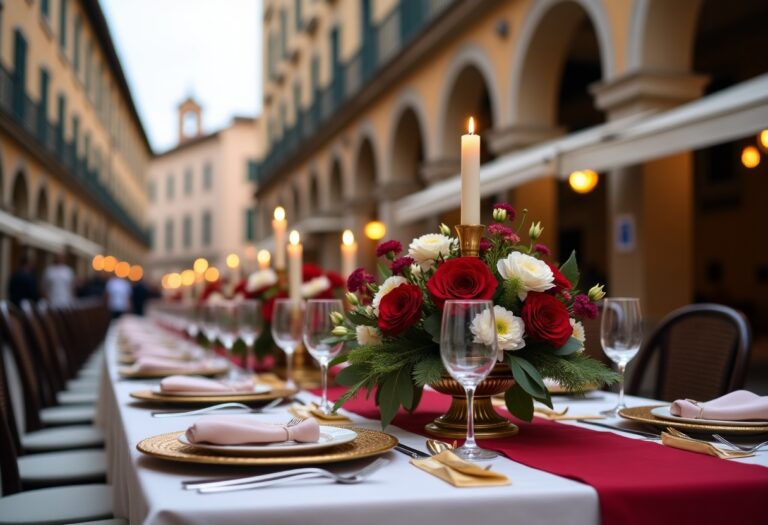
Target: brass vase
[488,422]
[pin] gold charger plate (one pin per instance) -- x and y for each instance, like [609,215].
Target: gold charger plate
[368,443]
[643,415]
[127,373]
[151,396]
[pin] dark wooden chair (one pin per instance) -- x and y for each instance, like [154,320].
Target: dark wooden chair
[700,351]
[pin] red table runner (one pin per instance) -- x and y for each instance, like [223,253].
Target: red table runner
[638,482]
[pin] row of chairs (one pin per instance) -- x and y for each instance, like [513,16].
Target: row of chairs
[52,461]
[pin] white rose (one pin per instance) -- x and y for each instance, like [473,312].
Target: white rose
[216,298]
[532,274]
[387,286]
[578,331]
[315,286]
[509,330]
[368,335]
[261,279]
[426,249]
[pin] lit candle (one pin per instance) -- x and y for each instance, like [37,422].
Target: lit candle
[294,266]
[263,257]
[348,253]
[279,226]
[470,176]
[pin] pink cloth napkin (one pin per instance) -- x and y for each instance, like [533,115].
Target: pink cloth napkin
[242,430]
[740,405]
[202,384]
[160,364]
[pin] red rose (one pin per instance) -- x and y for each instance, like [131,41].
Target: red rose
[461,278]
[546,319]
[400,309]
[561,282]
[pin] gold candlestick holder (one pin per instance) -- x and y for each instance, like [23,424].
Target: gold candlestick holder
[469,238]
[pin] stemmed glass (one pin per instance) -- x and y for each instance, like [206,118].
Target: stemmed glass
[621,333]
[251,325]
[193,321]
[317,330]
[227,328]
[209,326]
[468,350]
[287,321]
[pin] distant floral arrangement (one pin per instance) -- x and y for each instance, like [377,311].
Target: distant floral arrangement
[394,327]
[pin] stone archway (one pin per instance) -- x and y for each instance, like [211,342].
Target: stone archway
[41,208]
[20,196]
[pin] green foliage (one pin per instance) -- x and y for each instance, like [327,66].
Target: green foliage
[384,271]
[428,370]
[507,296]
[519,403]
[527,377]
[570,270]
[432,326]
[575,372]
[571,346]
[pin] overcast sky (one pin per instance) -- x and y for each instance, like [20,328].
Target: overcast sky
[170,49]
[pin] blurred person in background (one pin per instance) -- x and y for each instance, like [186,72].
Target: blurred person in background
[59,282]
[22,285]
[139,296]
[118,296]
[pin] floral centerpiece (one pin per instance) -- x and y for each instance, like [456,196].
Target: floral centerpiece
[393,328]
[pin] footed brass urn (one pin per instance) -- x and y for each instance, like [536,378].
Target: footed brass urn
[488,422]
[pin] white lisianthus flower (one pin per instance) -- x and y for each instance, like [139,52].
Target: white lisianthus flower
[387,286]
[315,286]
[261,279]
[415,270]
[530,273]
[216,298]
[509,330]
[578,331]
[426,249]
[368,335]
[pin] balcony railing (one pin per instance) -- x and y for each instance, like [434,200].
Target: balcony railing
[29,115]
[380,45]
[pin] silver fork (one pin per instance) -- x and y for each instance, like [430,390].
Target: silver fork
[743,448]
[220,406]
[268,480]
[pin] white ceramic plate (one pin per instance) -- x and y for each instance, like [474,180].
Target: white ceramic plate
[663,413]
[257,389]
[329,437]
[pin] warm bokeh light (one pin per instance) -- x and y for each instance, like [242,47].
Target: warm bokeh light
[164,280]
[109,263]
[279,213]
[212,274]
[750,157]
[200,265]
[294,237]
[122,269]
[98,262]
[762,139]
[174,280]
[188,277]
[375,230]
[233,261]
[583,181]
[264,257]
[348,238]
[136,273]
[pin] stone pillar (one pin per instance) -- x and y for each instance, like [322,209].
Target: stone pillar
[650,206]
[440,169]
[5,265]
[388,193]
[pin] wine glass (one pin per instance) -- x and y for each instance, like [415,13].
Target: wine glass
[621,332]
[193,322]
[227,328]
[317,330]
[287,321]
[251,324]
[468,351]
[208,326]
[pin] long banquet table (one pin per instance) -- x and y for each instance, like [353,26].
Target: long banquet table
[148,490]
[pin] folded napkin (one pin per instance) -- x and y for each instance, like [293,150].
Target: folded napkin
[458,472]
[740,405]
[313,411]
[675,439]
[242,430]
[149,350]
[161,364]
[203,385]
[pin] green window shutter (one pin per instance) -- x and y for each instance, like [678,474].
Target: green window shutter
[250,227]
[188,182]
[76,43]
[168,235]
[251,170]
[206,228]
[45,8]
[297,13]
[187,231]
[63,23]
[169,187]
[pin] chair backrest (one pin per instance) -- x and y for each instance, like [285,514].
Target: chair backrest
[701,352]
[9,437]
[13,333]
[55,343]
[50,366]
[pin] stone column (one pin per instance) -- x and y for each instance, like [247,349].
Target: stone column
[5,264]
[650,206]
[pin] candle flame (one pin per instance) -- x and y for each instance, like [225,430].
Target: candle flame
[294,237]
[471,125]
[279,213]
[264,257]
[348,238]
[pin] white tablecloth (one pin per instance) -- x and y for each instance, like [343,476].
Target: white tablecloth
[148,490]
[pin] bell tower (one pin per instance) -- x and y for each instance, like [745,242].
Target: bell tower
[190,120]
